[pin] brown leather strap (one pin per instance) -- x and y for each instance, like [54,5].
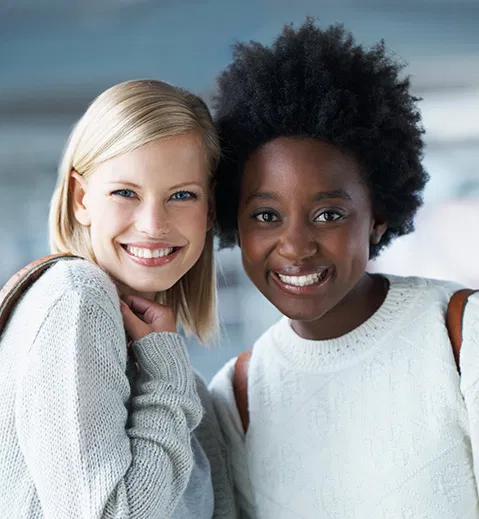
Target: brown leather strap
[240,387]
[21,281]
[454,317]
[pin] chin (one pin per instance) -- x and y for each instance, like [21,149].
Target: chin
[303,317]
[300,314]
[146,288]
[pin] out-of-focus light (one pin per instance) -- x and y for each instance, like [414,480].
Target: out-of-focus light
[451,115]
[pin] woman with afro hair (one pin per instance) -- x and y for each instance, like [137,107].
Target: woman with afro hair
[352,405]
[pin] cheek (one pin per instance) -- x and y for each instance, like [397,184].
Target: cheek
[110,219]
[191,221]
[104,210]
[349,244]
[347,247]
[253,245]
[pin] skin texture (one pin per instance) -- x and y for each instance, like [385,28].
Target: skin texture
[304,208]
[155,196]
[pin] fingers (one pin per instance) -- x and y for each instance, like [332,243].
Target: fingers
[135,327]
[138,304]
[148,311]
[150,317]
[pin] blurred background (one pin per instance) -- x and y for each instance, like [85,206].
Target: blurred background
[57,55]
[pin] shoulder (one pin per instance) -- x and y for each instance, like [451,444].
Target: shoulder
[78,278]
[68,287]
[424,291]
[224,403]
[221,386]
[209,394]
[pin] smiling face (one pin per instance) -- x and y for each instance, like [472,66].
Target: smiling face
[147,211]
[305,226]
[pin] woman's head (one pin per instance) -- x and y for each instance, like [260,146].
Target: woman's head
[320,84]
[134,196]
[320,168]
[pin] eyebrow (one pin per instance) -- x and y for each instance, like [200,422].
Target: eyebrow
[124,183]
[136,186]
[337,193]
[188,183]
[317,197]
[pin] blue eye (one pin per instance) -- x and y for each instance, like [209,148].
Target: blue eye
[328,216]
[266,217]
[184,195]
[125,193]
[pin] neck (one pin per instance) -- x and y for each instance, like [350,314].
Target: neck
[124,291]
[354,309]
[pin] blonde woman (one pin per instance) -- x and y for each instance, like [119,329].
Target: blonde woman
[96,422]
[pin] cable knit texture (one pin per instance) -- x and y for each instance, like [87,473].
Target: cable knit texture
[376,424]
[82,436]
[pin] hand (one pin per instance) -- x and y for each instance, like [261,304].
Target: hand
[142,317]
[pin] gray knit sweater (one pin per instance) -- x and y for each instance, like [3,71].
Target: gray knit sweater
[83,437]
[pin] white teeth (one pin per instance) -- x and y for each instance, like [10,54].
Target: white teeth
[301,281]
[148,253]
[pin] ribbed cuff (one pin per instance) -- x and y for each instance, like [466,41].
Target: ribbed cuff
[165,356]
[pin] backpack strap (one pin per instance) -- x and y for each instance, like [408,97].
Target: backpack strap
[21,281]
[454,318]
[240,386]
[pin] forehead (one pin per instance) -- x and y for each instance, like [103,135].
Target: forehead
[179,158]
[289,163]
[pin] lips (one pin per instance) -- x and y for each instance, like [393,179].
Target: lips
[151,255]
[141,252]
[301,281]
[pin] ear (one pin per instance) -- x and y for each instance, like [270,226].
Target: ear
[378,228]
[77,188]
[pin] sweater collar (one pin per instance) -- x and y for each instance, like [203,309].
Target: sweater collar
[333,354]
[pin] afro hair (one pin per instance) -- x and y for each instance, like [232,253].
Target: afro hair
[321,84]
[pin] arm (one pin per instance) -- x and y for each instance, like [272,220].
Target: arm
[224,403]
[88,456]
[211,439]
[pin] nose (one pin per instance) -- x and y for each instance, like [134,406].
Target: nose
[297,241]
[152,219]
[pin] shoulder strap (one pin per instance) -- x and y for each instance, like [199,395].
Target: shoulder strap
[240,386]
[454,317]
[21,281]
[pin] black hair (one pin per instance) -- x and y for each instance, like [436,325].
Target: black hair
[321,84]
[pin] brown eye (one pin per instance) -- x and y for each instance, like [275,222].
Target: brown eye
[266,217]
[328,216]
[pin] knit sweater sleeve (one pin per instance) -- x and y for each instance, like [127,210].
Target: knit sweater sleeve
[221,388]
[211,439]
[96,448]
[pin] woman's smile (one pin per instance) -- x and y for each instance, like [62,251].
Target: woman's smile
[154,256]
[303,284]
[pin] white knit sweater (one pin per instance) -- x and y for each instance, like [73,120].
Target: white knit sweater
[84,437]
[376,424]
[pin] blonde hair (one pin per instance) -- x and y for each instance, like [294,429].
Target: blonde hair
[121,119]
